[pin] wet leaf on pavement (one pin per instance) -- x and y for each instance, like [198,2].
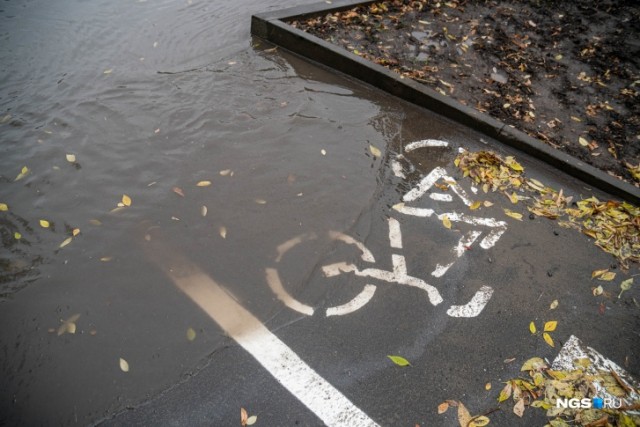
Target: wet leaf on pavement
[261,201]
[554,305]
[44,223]
[597,273]
[203,210]
[3,207]
[191,334]
[17,236]
[608,276]
[126,200]
[550,326]
[223,232]
[446,221]
[124,365]
[225,172]
[23,172]
[464,417]
[442,408]
[479,421]
[548,339]
[399,360]
[65,242]
[243,417]
[598,291]
[625,286]
[518,408]
[512,214]
[506,392]
[375,151]
[252,420]
[532,327]
[203,183]
[68,326]
[475,205]
[178,191]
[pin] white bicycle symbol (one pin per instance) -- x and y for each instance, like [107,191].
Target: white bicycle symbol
[398,274]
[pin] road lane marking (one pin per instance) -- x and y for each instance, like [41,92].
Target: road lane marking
[324,400]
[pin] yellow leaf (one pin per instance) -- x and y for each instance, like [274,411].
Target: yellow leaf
[596,273]
[514,198]
[126,200]
[532,327]
[475,205]
[548,339]
[252,420]
[487,386]
[4,207]
[17,235]
[44,223]
[550,326]
[598,291]
[442,408]
[75,231]
[24,172]
[464,418]
[191,334]
[375,151]
[479,421]
[223,232]
[71,158]
[124,365]
[512,214]
[553,305]
[398,206]
[485,188]
[106,258]
[608,276]
[66,242]
[583,142]
[399,360]
[243,417]
[505,393]
[446,221]
[533,364]
[109,71]
[203,183]
[487,204]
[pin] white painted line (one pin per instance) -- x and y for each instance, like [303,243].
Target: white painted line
[324,400]
[440,197]
[574,349]
[399,265]
[283,248]
[356,303]
[273,279]
[387,276]
[473,307]
[395,235]
[465,242]
[421,212]
[428,181]
[425,143]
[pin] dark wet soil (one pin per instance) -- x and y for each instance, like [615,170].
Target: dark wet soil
[564,72]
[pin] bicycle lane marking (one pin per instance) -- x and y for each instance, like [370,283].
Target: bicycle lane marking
[324,400]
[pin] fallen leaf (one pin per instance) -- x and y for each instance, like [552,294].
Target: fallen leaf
[95,222]
[71,158]
[203,211]
[178,191]
[548,339]
[583,142]
[69,325]
[126,200]
[625,286]
[464,418]
[243,416]
[17,235]
[24,172]
[223,232]
[479,421]
[399,360]
[532,327]
[261,201]
[487,204]
[323,152]
[442,408]
[124,365]
[252,420]
[608,276]
[109,71]
[518,408]
[65,242]
[598,291]
[512,214]
[487,386]
[203,183]
[446,221]
[533,364]
[550,326]
[514,198]
[191,334]
[75,232]
[475,205]
[44,223]
[375,151]
[4,207]
[106,258]
[553,305]
[225,172]
[505,393]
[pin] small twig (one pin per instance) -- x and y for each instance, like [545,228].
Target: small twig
[622,383]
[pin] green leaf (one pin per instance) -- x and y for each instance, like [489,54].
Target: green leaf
[399,360]
[625,286]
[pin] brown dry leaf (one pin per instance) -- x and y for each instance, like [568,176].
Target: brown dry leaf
[464,418]
[442,408]
[446,221]
[518,408]
[243,417]
[126,200]
[178,191]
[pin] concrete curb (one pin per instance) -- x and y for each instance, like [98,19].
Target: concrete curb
[271,27]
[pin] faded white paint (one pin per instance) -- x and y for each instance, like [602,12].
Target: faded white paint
[463,244]
[440,197]
[395,235]
[273,279]
[425,143]
[428,181]
[356,303]
[286,246]
[366,253]
[474,307]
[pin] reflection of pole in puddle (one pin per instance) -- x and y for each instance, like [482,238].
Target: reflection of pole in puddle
[326,402]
